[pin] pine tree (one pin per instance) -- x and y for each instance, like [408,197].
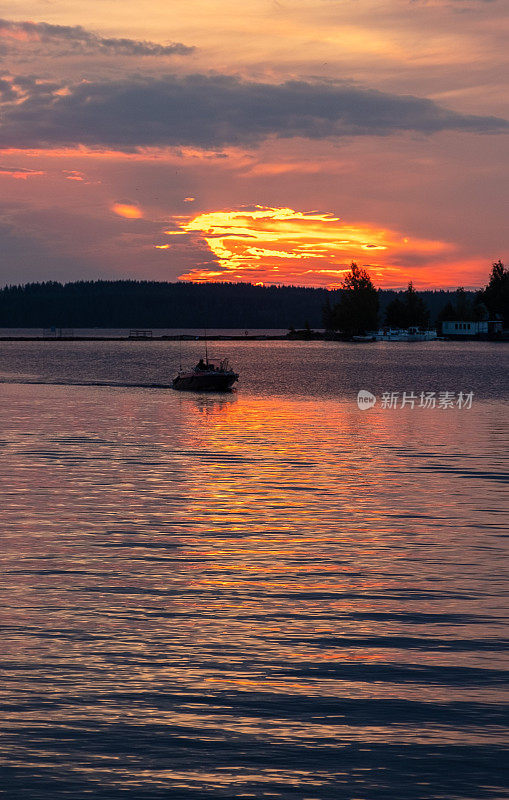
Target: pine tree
[496,294]
[408,310]
[357,310]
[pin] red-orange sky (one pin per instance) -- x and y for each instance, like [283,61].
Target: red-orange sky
[270,143]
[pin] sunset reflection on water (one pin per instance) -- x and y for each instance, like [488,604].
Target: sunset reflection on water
[224,596]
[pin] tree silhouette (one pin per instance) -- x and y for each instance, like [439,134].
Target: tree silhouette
[410,310]
[151,304]
[395,314]
[496,294]
[357,310]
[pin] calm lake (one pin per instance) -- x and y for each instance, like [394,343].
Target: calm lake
[264,594]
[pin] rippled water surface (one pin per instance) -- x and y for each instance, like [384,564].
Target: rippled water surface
[264,594]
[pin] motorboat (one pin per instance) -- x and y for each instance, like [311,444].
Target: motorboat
[206,377]
[366,338]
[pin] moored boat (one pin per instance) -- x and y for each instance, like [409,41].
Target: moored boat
[411,334]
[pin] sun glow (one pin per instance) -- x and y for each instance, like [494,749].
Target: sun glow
[282,245]
[127,210]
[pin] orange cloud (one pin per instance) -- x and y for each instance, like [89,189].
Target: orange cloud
[73,175]
[19,34]
[127,210]
[20,173]
[281,245]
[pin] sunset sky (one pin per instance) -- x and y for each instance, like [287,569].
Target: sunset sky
[270,142]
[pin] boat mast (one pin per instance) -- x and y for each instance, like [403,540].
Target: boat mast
[206,350]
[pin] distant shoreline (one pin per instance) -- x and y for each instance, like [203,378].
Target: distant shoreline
[315,337]
[164,338]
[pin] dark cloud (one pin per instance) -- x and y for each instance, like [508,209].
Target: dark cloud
[66,37]
[26,258]
[42,243]
[7,92]
[211,111]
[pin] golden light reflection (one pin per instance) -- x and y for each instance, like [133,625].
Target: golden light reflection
[278,245]
[203,545]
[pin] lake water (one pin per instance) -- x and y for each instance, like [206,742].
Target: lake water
[264,594]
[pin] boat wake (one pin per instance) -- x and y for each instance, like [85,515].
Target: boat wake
[114,384]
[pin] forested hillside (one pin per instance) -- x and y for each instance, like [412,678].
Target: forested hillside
[150,304]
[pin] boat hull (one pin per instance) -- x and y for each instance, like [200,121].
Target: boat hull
[204,382]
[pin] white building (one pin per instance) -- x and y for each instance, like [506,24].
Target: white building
[461,328]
